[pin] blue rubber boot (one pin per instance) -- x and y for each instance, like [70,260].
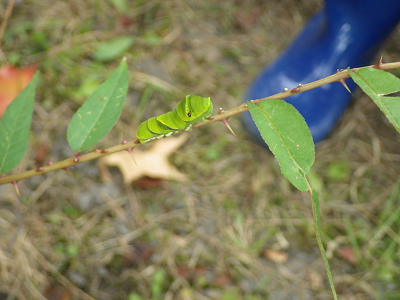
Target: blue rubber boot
[346,33]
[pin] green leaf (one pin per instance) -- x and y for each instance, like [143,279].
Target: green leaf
[286,133]
[377,83]
[14,127]
[95,118]
[317,226]
[120,5]
[114,48]
[134,296]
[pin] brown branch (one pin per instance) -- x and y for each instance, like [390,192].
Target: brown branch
[63,164]
[295,90]
[218,117]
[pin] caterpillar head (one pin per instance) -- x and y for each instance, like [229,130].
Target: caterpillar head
[194,108]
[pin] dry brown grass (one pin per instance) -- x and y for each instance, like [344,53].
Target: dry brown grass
[107,240]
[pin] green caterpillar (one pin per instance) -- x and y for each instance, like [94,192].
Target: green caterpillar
[190,110]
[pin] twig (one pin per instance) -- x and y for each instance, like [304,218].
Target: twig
[64,164]
[287,93]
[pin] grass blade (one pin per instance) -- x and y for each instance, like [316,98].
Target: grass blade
[288,137]
[95,118]
[317,225]
[14,127]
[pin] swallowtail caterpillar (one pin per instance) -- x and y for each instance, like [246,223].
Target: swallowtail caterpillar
[190,110]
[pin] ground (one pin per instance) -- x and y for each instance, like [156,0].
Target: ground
[212,236]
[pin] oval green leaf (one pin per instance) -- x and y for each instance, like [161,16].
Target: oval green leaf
[376,84]
[114,48]
[95,118]
[14,127]
[287,135]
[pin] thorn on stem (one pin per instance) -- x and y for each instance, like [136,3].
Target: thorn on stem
[131,153]
[49,163]
[296,89]
[345,85]
[15,184]
[39,169]
[104,151]
[379,64]
[285,89]
[343,82]
[225,121]
[124,141]
[66,170]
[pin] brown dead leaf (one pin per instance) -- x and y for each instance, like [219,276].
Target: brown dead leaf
[315,279]
[222,280]
[244,20]
[152,163]
[57,292]
[41,154]
[148,183]
[138,252]
[276,256]
[347,254]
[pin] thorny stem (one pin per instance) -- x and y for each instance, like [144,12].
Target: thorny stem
[287,93]
[63,164]
[218,117]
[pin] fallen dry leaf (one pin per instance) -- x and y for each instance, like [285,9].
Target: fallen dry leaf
[276,256]
[152,163]
[222,280]
[347,254]
[315,279]
[12,81]
[42,152]
[244,20]
[148,183]
[57,292]
[138,252]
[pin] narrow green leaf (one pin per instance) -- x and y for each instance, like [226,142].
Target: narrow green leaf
[95,118]
[317,223]
[286,133]
[114,48]
[14,127]
[376,84]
